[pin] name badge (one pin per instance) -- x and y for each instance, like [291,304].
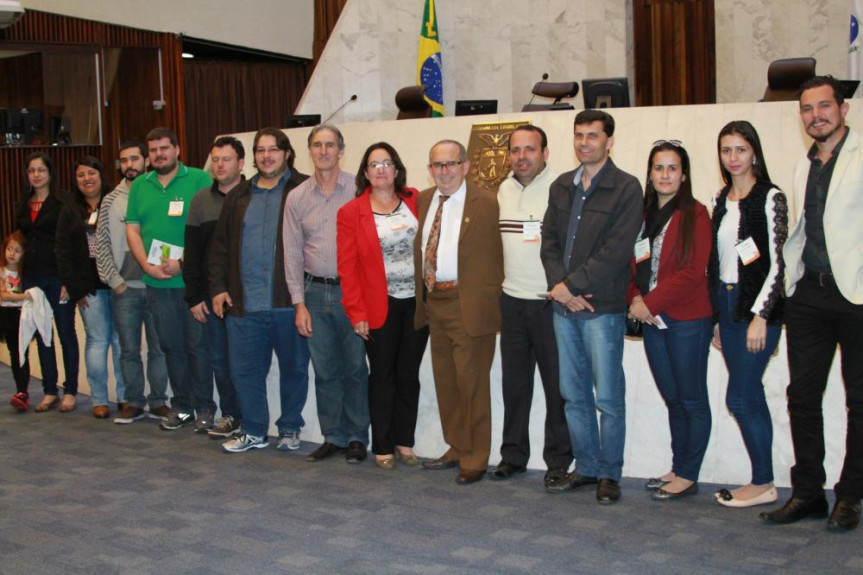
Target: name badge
[91,221]
[397,222]
[642,250]
[175,208]
[530,231]
[748,251]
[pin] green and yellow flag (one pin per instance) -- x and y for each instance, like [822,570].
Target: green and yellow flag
[429,64]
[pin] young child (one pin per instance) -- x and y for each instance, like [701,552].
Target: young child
[12,297]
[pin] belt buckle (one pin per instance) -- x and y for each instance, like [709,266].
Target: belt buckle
[821,279]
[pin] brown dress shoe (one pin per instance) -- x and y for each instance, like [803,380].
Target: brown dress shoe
[48,403]
[442,462]
[101,412]
[69,403]
[468,476]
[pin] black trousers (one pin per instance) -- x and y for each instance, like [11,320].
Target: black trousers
[395,352]
[527,341]
[10,318]
[818,318]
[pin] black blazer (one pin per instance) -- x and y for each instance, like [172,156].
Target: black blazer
[74,264]
[39,257]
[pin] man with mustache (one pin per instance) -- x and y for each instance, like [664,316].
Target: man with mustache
[227,159]
[527,330]
[121,272]
[155,227]
[824,307]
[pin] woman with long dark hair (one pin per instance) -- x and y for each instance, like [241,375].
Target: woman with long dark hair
[669,295]
[375,256]
[750,224]
[37,216]
[76,262]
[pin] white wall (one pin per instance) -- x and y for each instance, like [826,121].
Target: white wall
[281,26]
[490,50]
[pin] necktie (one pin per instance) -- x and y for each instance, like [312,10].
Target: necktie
[430,261]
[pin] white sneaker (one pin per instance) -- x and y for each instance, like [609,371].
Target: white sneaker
[245,442]
[289,441]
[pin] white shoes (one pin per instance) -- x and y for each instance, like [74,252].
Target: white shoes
[724,498]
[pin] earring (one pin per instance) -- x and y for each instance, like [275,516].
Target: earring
[754,161]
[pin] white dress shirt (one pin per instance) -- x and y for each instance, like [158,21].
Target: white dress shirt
[447,248]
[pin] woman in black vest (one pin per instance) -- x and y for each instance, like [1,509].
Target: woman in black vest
[746,272]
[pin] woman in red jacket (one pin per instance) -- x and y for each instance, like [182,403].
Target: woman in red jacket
[375,259]
[669,294]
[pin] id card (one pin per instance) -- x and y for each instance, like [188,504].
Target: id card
[175,208]
[530,231]
[397,222]
[91,221]
[642,250]
[748,251]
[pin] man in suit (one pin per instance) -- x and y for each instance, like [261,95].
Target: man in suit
[458,259]
[824,286]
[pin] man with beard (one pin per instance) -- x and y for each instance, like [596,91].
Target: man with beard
[227,159]
[824,287]
[247,283]
[121,272]
[527,329]
[155,228]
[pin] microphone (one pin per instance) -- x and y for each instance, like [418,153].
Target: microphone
[339,109]
[532,96]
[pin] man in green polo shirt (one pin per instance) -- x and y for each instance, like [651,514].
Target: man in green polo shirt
[155,228]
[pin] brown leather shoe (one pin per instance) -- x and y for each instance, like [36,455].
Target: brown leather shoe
[468,476]
[48,403]
[69,403]
[121,405]
[442,462]
[101,412]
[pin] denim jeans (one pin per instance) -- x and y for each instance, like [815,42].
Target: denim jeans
[64,320]
[591,356]
[252,340]
[216,334]
[678,361]
[341,373]
[130,314]
[745,395]
[182,340]
[100,334]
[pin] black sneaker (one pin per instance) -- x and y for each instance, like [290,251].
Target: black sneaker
[176,419]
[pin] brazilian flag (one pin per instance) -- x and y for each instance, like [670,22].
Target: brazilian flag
[429,64]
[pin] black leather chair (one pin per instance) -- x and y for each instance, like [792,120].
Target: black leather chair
[556,90]
[412,103]
[784,78]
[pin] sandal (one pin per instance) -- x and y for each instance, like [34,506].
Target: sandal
[48,403]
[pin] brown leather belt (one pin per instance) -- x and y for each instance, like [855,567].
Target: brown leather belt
[445,286]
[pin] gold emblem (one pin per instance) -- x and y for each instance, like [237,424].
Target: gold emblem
[488,150]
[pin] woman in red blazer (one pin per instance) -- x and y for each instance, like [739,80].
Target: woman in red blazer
[375,259]
[669,294]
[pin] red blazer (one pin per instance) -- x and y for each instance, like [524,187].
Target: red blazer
[681,291]
[361,261]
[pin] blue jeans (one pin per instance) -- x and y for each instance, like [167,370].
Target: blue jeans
[130,313]
[216,334]
[745,395]
[252,340]
[341,372]
[64,319]
[100,334]
[591,355]
[182,340]
[678,361]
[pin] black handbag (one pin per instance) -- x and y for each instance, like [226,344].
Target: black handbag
[634,328]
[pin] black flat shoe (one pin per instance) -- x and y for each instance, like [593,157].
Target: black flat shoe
[439,463]
[356,452]
[845,515]
[796,509]
[326,450]
[663,495]
[655,483]
[505,470]
[553,475]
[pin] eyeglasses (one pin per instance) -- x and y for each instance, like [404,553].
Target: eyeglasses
[441,165]
[386,164]
[675,143]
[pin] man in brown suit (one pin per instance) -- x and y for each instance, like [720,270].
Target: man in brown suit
[458,289]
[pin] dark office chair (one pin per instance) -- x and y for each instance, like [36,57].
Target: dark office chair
[556,90]
[412,103]
[784,78]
